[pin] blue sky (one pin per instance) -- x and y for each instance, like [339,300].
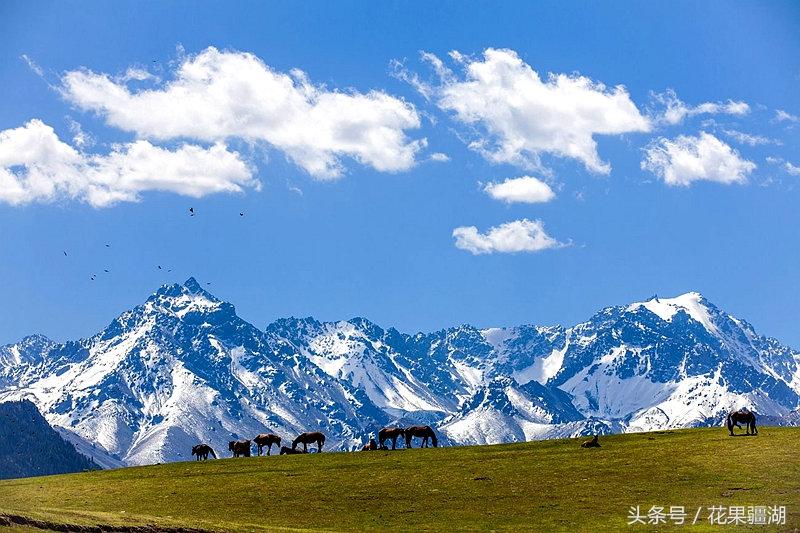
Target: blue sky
[360,190]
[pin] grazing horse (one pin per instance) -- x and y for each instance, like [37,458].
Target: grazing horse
[390,433]
[285,450]
[591,443]
[372,446]
[202,451]
[307,438]
[743,416]
[266,439]
[240,447]
[425,432]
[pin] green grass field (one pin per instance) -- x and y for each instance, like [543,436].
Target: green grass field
[547,486]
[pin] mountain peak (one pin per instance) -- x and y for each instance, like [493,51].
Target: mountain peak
[193,286]
[692,303]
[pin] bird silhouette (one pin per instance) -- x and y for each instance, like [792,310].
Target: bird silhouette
[191,211]
[159,267]
[106,270]
[241,214]
[65,253]
[108,246]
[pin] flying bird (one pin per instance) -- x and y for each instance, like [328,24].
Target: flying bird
[191,211]
[65,253]
[108,246]
[241,214]
[106,270]
[159,267]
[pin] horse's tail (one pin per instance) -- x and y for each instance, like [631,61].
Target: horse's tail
[434,440]
[753,423]
[211,451]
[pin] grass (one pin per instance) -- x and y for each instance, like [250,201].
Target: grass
[547,486]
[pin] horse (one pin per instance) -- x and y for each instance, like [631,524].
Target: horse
[372,446]
[390,433]
[307,438]
[202,450]
[241,447]
[266,439]
[285,450]
[591,443]
[425,432]
[742,416]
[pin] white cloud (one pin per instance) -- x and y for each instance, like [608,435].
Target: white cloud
[217,95]
[749,138]
[516,236]
[782,115]
[676,110]
[32,65]
[36,166]
[439,157]
[794,170]
[525,189]
[521,116]
[80,138]
[686,159]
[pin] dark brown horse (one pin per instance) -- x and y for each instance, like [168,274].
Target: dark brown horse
[424,432]
[309,437]
[202,451]
[239,447]
[285,450]
[742,416]
[390,433]
[266,439]
[591,443]
[372,446]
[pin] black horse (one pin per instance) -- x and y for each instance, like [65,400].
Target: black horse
[390,433]
[202,451]
[266,440]
[423,432]
[309,437]
[239,448]
[742,416]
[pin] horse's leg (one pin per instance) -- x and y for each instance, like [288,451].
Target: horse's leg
[305,448]
[319,446]
[394,442]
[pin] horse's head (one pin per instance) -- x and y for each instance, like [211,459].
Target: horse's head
[231,445]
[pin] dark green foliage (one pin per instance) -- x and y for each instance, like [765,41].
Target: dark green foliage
[30,447]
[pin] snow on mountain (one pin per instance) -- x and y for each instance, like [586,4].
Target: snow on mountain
[183,368]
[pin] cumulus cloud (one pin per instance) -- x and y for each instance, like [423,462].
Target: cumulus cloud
[439,157]
[518,116]
[676,110]
[217,95]
[36,166]
[525,189]
[516,236]
[686,159]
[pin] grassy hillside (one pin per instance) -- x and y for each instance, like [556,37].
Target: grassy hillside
[550,485]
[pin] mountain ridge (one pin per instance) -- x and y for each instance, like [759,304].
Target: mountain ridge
[183,367]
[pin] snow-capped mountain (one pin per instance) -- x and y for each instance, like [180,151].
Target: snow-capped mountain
[183,368]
